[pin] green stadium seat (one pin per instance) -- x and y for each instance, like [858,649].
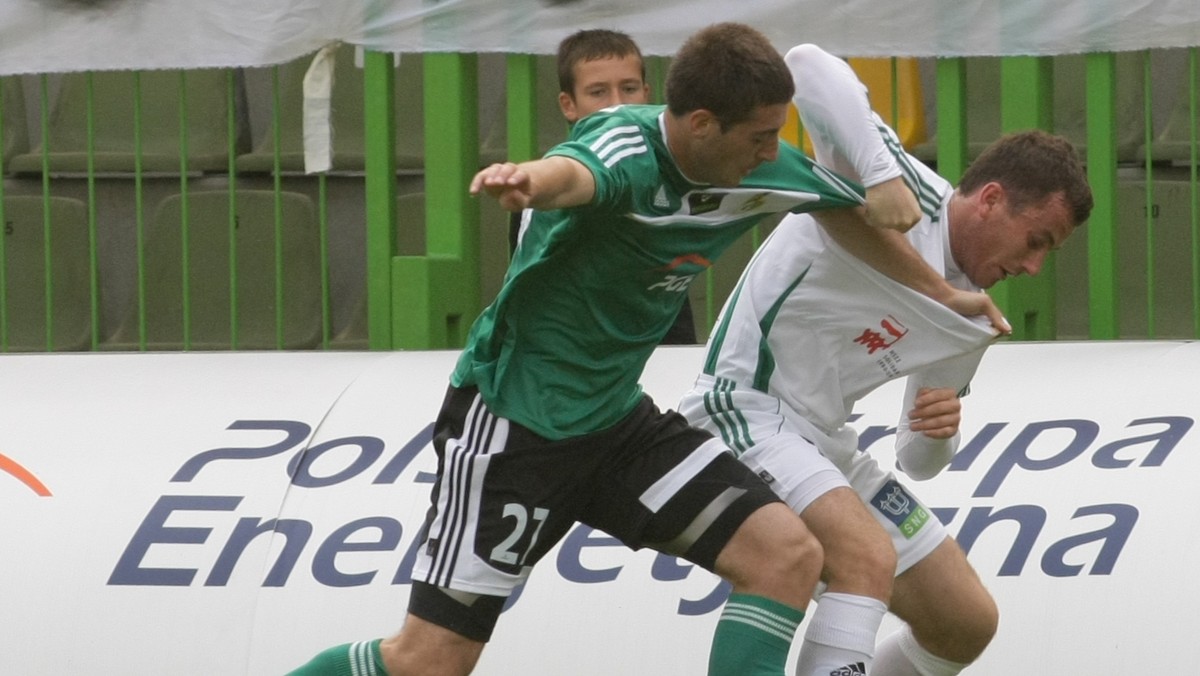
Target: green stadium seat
[1174,143]
[1170,221]
[1172,246]
[25,317]
[346,117]
[1070,102]
[113,106]
[410,241]
[983,113]
[1070,105]
[209,274]
[14,133]
[552,128]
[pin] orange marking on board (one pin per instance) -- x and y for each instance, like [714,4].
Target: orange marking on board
[23,475]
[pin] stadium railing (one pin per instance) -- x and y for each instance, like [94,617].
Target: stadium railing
[406,259]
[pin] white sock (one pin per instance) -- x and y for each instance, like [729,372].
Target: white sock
[901,655]
[840,639]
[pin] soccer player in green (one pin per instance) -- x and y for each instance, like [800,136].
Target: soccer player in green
[545,424]
[597,69]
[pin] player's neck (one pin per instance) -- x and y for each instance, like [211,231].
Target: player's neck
[675,134]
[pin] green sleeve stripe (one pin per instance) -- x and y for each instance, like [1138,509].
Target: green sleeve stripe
[929,197]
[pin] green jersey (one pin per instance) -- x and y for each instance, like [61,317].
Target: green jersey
[592,289]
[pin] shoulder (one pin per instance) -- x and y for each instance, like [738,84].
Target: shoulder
[626,114]
[621,142]
[626,121]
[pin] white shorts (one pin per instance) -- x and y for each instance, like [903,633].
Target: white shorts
[769,438]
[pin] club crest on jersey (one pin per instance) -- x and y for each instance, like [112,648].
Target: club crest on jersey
[892,332]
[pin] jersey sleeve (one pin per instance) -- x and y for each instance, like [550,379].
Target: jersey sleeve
[847,134]
[919,456]
[614,149]
[830,190]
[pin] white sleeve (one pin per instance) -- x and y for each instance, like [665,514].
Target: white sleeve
[917,455]
[847,135]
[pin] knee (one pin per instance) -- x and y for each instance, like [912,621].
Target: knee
[860,565]
[801,555]
[793,559]
[425,649]
[965,639]
[793,570]
[776,557]
[981,628]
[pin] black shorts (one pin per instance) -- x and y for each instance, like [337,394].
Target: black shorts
[505,495]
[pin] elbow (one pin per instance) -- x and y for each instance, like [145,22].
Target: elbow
[798,59]
[802,58]
[800,54]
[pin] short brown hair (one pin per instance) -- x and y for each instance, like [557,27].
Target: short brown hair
[589,45]
[1032,165]
[728,69]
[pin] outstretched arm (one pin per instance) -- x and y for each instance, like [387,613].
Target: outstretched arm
[551,183]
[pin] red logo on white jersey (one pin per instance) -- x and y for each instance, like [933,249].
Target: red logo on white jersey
[876,340]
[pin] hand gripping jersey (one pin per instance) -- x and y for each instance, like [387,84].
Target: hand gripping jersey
[592,289]
[817,329]
[814,327]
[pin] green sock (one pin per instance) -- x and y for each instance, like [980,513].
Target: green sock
[348,659]
[753,637]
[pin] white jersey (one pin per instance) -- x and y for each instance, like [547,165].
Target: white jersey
[816,329]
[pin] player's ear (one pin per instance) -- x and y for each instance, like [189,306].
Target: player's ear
[992,195]
[566,103]
[703,123]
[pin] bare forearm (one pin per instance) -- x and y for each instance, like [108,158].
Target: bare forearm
[890,253]
[550,183]
[558,182]
[887,251]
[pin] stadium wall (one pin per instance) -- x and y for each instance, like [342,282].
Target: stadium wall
[232,513]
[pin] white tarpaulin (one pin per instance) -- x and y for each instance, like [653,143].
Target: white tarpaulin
[68,35]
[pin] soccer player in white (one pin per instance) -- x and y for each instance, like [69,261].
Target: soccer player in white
[809,330]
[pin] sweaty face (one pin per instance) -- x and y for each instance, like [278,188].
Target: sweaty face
[605,82]
[1001,244]
[726,156]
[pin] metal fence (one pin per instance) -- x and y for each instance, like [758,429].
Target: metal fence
[170,210]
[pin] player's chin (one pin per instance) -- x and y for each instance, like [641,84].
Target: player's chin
[730,181]
[993,277]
